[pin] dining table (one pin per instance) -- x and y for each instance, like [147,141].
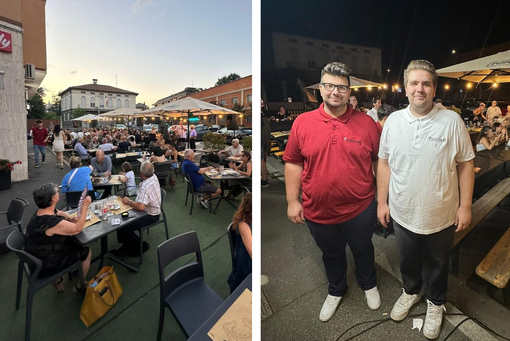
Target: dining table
[99,226]
[223,177]
[491,166]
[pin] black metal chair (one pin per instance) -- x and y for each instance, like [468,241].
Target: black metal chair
[73,198]
[13,215]
[191,190]
[32,266]
[162,220]
[184,292]
[133,160]
[162,171]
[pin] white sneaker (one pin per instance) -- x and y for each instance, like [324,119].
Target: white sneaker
[373,298]
[403,305]
[198,198]
[204,203]
[329,307]
[433,320]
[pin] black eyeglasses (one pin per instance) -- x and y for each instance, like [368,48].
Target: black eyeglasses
[331,87]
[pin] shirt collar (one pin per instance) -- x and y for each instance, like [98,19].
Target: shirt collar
[425,119]
[344,118]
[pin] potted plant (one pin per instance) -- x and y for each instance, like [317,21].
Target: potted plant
[6,167]
[214,141]
[246,143]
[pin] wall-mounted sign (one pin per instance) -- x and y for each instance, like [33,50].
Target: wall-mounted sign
[5,42]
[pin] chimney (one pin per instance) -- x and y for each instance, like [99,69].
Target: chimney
[94,81]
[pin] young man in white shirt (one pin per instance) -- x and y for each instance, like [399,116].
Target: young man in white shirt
[421,149]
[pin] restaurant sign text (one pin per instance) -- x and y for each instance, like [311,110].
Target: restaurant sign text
[5,42]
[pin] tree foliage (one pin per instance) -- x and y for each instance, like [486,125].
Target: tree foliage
[227,79]
[238,107]
[55,108]
[37,109]
[79,112]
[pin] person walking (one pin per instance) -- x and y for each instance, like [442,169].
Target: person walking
[333,170]
[425,157]
[58,145]
[40,136]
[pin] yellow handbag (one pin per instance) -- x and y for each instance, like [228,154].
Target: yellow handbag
[103,291]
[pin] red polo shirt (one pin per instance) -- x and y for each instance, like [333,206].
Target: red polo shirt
[39,135]
[337,154]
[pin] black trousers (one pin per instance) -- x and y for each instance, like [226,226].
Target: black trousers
[435,250]
[332,239]
[127,234]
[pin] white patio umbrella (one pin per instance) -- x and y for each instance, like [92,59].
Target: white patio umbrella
[355,83]
[126,112]
[491,69]
[189,107]
[88,117]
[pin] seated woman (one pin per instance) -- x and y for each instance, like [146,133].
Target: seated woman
[78,177]
[244,169]
[128,177]
[161,142]
[484,142]
[172,154]
[49,235]
[158,155]
[243,246]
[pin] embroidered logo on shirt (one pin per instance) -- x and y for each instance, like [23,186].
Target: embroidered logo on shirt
[358,142]
[437,139]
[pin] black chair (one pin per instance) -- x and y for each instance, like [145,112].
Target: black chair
[32,266]
[162,171]
[162,220]
[111,155]
[73,198]
[13,215]
[133,160]
[232,242]
[203,161]
[191,190]
[184,291]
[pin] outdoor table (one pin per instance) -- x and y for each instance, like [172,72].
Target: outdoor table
[100,182]
[228,174]
[207,150]
[236,159]
[103,228]
[124,155]
[201,333]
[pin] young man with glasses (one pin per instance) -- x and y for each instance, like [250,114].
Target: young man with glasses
[329,159]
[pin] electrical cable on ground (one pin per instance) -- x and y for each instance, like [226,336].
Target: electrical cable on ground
[379,322]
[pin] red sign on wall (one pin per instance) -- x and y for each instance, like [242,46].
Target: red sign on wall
[5,42]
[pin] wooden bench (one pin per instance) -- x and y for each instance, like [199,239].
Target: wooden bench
[479,210]
[495,267]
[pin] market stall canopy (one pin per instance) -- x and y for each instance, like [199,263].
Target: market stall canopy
[88,117]
[355,83]
[190,107]
[490,69]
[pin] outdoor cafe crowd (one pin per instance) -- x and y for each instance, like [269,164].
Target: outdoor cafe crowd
[58,237]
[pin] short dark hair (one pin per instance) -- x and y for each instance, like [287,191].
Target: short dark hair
[44,194]
[337,69]
[384,111]
[39,121]
[158,151]
[126,166]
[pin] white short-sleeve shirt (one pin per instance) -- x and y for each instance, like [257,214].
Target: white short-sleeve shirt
[422,154]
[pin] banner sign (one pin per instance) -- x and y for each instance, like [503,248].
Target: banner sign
[5,42]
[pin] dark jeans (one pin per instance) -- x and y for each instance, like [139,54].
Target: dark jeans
[127,234]
[192,144]
[332,239]
[435,250]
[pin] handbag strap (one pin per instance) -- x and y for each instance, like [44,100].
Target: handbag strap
[71,177]
[107,287]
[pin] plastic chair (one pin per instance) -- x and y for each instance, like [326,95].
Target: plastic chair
[184,292]
[162,220]
[32,267]
[191,190]
[73,198]
[232,242]
[14,214]
[162,170]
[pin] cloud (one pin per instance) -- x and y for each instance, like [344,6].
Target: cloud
[73,72]
[138,5]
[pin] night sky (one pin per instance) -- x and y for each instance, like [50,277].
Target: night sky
[404,30]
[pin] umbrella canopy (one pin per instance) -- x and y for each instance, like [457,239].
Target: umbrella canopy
[88,117]
[355,83]
[490,69]
[189,106]
[127,112]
